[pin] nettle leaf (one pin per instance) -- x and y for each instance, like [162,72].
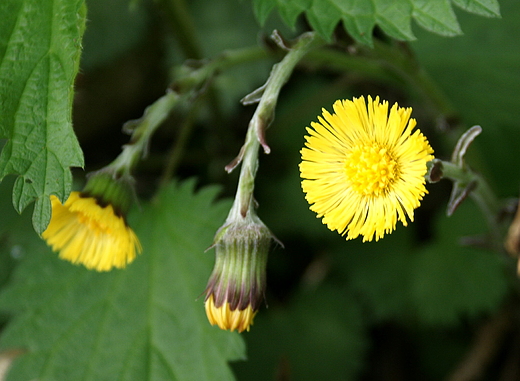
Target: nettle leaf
[449,281]
[438,284]
[359,17]
[262,9]
[146,322]
[290,9]
[319,335]
[40,45]
[380,273]
[437,17]
[489,8]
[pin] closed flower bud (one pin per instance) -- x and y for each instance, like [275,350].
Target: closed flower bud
[236,287]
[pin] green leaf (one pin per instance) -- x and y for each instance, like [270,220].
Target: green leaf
[438,284]
[395,18]
[323,19]
[262,9]
[145,322]
[489,8]
[320,335]
[451,281]
[380,273]
[436,16]
[290,9]
[40,45]
[359,17]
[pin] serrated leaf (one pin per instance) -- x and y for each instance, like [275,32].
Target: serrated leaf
[489,8]
[40,45]
[145,322]
[393,17]
[323,17]
[291,9]
[450,285]
[436,16]
[262,9]
[320,335]
[359,19]
[449,281]
[380,273]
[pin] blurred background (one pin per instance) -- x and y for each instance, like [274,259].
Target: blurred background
[417,305]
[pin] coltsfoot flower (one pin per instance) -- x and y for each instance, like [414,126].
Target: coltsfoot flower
[363,168]
[236,287]
[90,227]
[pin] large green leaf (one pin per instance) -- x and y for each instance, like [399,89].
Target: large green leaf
[145,322]
[319,335]
[380,272]
[40,44]
[359,17]
[450,281]
[438,284]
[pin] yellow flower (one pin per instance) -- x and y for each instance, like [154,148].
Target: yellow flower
[229,319]
[82,231]
[363,168]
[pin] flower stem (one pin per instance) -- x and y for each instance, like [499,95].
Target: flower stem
[481,193]
[183,88]
[142,130]
[261,119]
[405,65]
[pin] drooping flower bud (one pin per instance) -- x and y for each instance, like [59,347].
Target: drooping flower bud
[236,287]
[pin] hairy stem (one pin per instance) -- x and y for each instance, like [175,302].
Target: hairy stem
[481,193]
[142,131]
[261,119]
[184,88]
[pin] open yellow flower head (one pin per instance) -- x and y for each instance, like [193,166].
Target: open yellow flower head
[88,230]
[363,167]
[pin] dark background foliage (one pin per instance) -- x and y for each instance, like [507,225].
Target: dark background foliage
[417,305]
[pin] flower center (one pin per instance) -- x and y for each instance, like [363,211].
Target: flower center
[371,169]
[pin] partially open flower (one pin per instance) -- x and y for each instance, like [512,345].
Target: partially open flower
[90,227]
[236,287]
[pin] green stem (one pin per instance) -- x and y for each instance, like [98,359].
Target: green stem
[261,119]
[184,88]
[142,131]
[340,61]
[482,193]
[227,59]
[391,64]
[402,62]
